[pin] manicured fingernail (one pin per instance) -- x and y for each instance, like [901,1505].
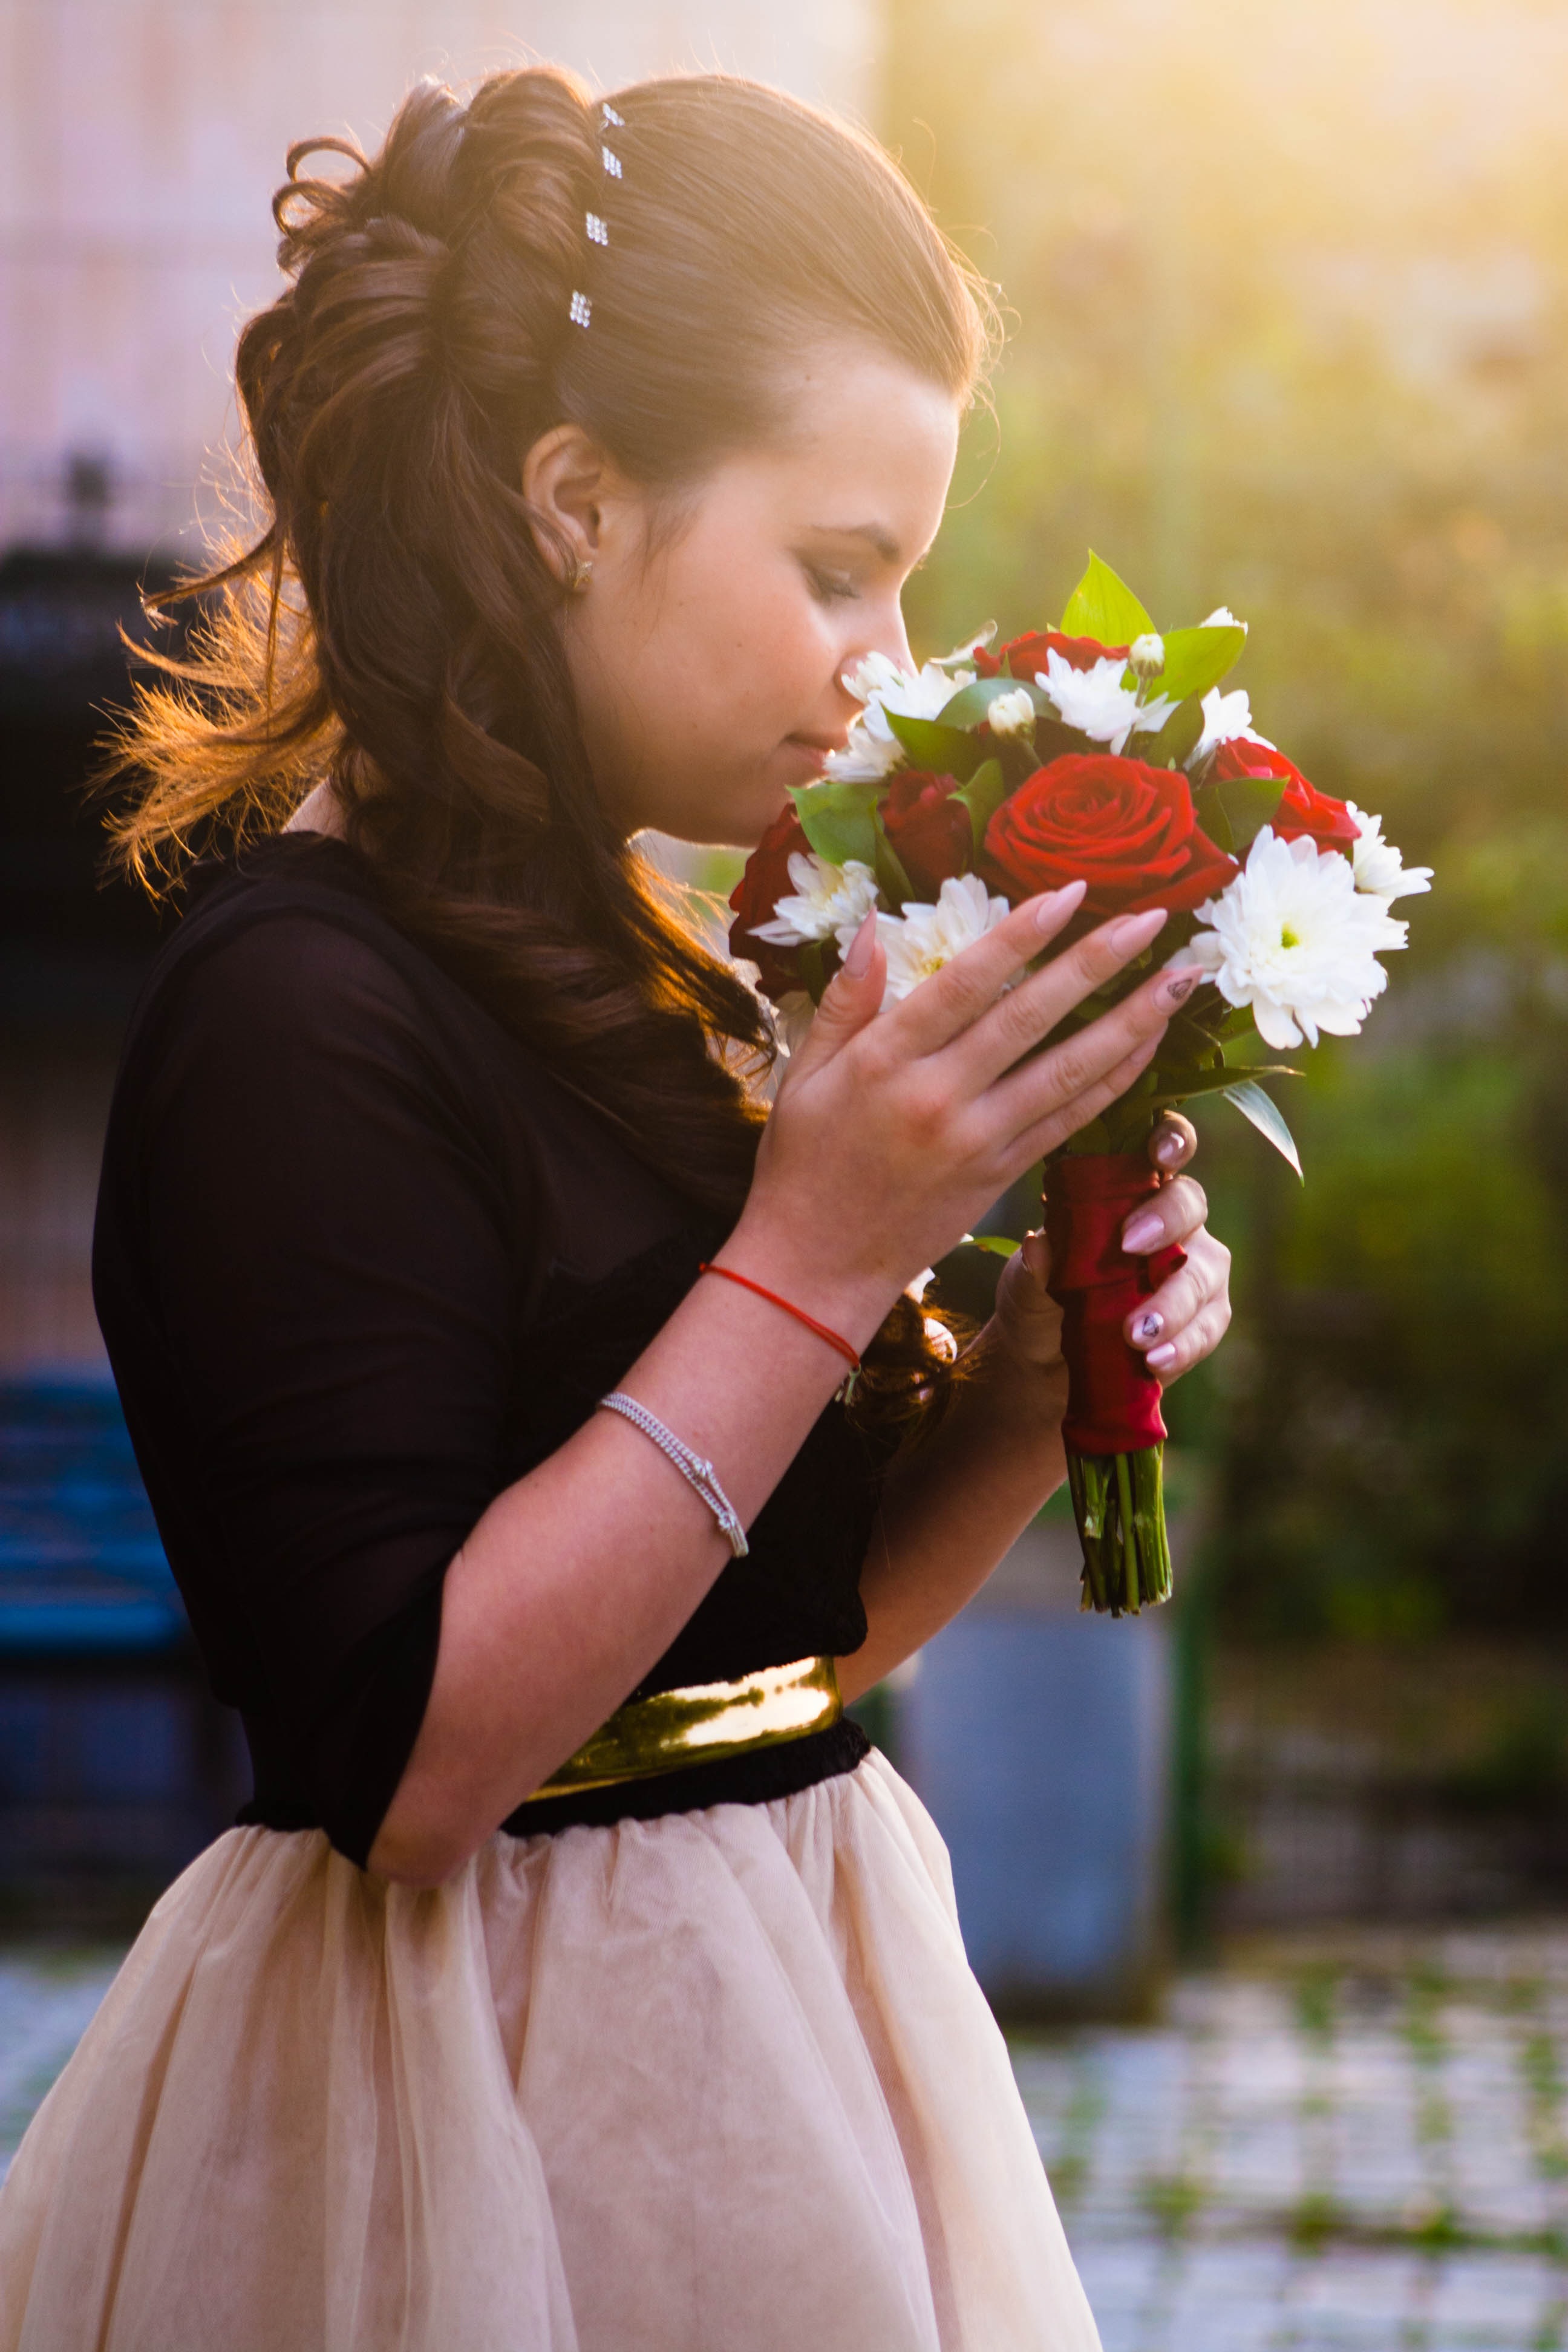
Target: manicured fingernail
[857,958]
[1143,1232]
[1178,986]
[1054,910]
[1159,1358]
[1169,1148]
[1136,931]
[1149,1327]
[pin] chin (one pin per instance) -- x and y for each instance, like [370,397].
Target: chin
[740,811]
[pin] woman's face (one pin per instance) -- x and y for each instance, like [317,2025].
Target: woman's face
[708,655]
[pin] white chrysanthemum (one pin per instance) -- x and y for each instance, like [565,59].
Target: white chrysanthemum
[866,758]
[925,694]
[826,899]
[873,750]
[1012,714]
[1379,870]
[1226,717]
[1294,938]
[963,657]
[1098,705]
[1222,617]
[793,1017]
[940,1339]
[920,940]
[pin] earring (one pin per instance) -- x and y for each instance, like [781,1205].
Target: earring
[581,573]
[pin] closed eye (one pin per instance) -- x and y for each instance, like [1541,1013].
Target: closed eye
[831,587]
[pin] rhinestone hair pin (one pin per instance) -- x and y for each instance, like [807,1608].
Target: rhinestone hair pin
[596,225]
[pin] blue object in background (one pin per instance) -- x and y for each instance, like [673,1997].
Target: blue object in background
[81,1569]
[1040,1740]
[117,1766]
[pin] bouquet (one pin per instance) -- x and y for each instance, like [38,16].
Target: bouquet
[1107,751]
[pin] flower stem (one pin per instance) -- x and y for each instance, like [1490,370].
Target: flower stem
[1129,1578]
[1149,1512]
[1119,1505]
[1081,1469]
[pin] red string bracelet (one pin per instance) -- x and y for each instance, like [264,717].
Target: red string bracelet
[833,1338]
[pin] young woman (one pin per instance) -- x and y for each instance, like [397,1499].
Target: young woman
[576,1978]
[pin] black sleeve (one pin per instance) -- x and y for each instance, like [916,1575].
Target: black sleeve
[334,1239]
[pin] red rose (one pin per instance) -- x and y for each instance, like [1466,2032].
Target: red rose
[929,830]
[1304,813]
[1025,657]
[764,882]
[1126,829]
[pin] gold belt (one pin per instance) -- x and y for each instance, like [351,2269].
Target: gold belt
[701,1724]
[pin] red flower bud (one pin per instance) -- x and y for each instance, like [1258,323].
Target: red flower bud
[928,830]
[1025,657]
[764,882]
[1304,813]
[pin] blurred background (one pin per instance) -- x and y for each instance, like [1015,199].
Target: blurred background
[1289,333]
[1287,296]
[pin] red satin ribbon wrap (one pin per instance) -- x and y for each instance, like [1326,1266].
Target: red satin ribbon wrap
[1113,1399]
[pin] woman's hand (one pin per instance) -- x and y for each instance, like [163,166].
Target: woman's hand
[892,1134]
[952,1505]
[1176,1327]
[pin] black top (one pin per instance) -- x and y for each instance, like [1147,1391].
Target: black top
[360,1263]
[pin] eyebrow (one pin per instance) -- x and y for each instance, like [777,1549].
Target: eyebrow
[882,539]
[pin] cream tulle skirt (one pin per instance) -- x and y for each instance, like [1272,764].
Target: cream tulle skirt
[717,2082]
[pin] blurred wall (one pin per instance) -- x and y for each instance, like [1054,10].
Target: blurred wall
[140,142]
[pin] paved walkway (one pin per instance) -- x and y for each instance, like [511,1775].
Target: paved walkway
[1356,2144]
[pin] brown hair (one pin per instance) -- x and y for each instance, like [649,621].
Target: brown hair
[395,627]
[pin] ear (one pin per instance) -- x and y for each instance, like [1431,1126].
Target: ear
[565,478]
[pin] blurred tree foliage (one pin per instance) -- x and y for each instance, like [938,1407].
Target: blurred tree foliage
[1289,311]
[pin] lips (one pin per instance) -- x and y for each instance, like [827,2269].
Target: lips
[814,748]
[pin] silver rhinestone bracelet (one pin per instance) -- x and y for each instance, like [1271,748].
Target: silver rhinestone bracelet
[699,1476]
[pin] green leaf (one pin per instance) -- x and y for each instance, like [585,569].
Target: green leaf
[1104,608]
[1174,743]
[1267,1117]
[945,751]
[840,819]
[1249,803]
[1196,659]
[1232,812]
[1213,818]
[1177,1085]
[998,1244]
[812,965]
[1187,1045]
[891,879]
[972,704]
[1096,1137]
[982,795]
